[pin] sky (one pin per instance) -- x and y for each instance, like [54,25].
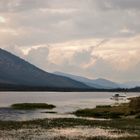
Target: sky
[91,38]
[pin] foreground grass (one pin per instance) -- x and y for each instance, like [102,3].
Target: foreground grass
[131,109]
[125,125]
[30,106]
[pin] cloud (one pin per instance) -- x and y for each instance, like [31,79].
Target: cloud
[53,21]
[95,38]
[38,56]
[116,4]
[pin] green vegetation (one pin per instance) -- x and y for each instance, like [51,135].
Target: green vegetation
[30,106]
[101,106]
[138,116]
[125,109]
[51,112]
[104,111]
[106,138]
[131,126]
[134,105]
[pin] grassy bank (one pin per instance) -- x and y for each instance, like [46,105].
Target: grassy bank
[131,109]
[30,106]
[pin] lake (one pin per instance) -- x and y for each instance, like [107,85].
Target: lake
[66,102]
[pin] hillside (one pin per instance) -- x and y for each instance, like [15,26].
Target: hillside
[16,71]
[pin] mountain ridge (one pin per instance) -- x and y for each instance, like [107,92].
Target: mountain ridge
[15,70]
[99,83]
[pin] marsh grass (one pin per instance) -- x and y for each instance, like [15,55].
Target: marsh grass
[125,109]
[31,106]
[131,126]
[50,112]
[124,124]
[106,138]
[103,112]
[138,116]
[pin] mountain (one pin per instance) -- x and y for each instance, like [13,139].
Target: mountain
[18,72]
[132,84]
[106,83]
[136,89]
[95,83]
[80,79]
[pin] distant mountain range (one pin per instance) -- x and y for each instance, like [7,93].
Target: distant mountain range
[131,84]
[101,83]
[94,83]
[18,74]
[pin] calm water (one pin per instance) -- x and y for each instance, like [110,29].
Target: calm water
[65,101]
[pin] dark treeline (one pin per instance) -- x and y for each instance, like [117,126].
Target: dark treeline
[12,87]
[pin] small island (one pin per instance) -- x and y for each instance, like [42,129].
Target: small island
[31,106]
